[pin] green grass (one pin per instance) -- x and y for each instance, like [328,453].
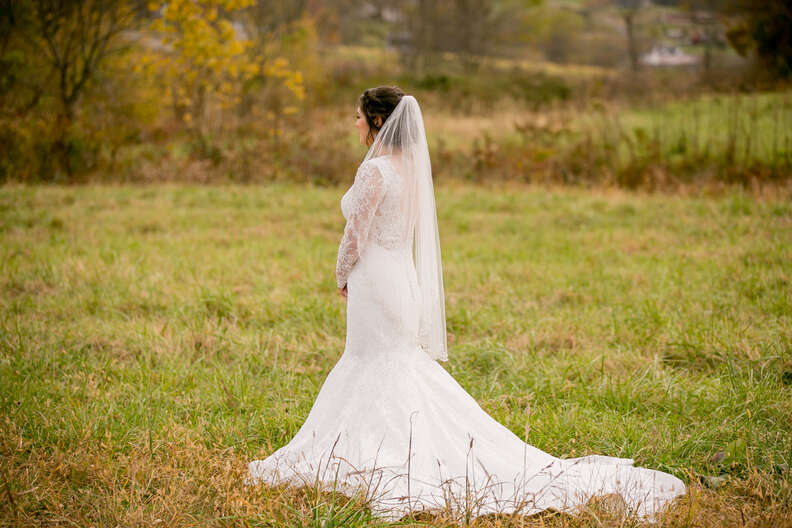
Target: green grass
[660,143]
[751,128]
[153,339]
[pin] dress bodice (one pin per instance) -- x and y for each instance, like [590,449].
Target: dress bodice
[372,209]
[387,225]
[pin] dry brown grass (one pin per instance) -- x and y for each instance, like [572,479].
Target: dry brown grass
[176,480]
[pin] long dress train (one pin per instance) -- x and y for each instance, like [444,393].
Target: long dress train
[392,422]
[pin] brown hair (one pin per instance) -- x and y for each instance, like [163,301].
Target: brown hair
[378,102]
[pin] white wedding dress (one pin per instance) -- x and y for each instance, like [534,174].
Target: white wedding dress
[391,421]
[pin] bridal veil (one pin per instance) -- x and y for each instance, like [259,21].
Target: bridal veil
[403,136]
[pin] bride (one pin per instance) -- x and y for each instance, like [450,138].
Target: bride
[389,420]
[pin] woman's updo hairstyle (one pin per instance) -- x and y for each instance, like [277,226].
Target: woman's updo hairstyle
[378,102]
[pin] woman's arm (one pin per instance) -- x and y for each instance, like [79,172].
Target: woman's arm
[367,193]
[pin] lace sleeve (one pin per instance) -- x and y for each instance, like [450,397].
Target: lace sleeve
[367,193]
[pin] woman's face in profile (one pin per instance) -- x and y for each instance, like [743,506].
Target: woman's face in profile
[362,126]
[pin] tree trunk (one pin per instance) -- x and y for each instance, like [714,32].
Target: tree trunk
[632,47]
[60,144]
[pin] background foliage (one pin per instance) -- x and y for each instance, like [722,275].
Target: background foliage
[219,90]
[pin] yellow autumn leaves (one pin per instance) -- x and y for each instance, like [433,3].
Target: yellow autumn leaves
[203,60]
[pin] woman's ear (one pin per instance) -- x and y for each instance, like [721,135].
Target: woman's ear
[378,121]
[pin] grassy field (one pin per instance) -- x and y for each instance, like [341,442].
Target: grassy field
[153,339]
[688,137]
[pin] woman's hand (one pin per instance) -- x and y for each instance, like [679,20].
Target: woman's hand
[343,291]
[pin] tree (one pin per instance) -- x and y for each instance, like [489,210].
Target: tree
[703,15]
[763,27]
[628,9]
[472,30]
[554,30]
[468,28]
[70,39]
[205,62]
[422,16]
[282,33]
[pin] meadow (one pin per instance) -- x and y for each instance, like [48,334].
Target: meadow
[155,338]
[689,140]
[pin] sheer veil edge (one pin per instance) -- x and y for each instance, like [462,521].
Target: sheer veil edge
[403,136]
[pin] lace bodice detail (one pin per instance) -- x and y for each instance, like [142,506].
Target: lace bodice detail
[372,209]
